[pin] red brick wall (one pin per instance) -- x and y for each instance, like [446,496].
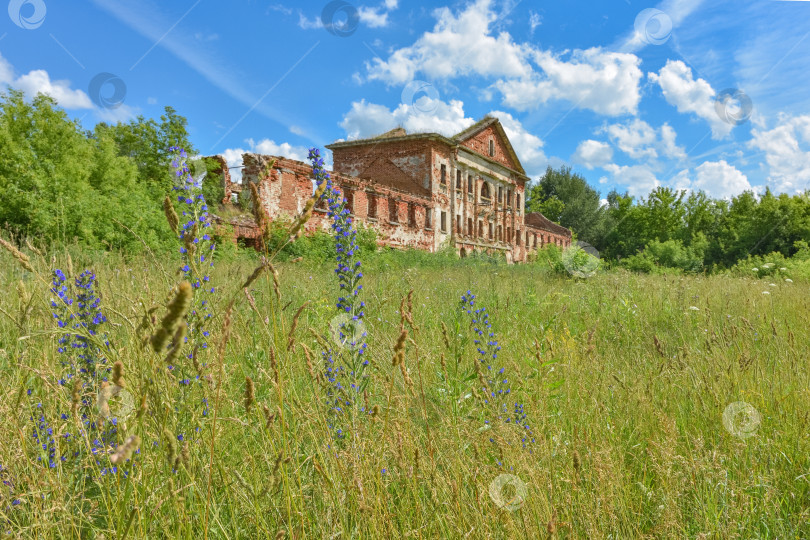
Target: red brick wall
[480,143]
[285,185]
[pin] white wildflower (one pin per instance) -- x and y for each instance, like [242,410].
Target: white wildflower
[766,292]
[788,280]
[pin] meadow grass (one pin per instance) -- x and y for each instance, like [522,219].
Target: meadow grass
[625,379]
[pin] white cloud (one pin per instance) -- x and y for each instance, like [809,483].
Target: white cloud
[271,148]
[38,81]
[787,152]
[689,95]
[602,81]
[592,154]
[425,115]
[308,24]
[233,156]
[373,17]
[635,138]
[639,140]
[535,20]
[639,180]
[465,43]
[668,145]
[458,45]
[719,179]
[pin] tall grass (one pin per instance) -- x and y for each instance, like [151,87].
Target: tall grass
[624,383]
[658,406]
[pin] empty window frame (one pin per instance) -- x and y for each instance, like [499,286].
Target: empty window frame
[393,211]
[444,221]
[349,196]
[372,205]
[443,177]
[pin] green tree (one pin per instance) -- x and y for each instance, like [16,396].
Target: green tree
[60,185]
[566,198]
[147,143]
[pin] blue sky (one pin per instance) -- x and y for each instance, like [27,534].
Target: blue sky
[689,94]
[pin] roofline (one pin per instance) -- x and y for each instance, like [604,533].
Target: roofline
[453,143]
[378,140]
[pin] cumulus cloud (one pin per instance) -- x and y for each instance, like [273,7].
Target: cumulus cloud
[465,43]
[458,45]
[639,180]
[639,140]
[787,152]
[233,156]
[39,81]
[689,95]
[425,115]
[592,154]
[604,82]
[719,179]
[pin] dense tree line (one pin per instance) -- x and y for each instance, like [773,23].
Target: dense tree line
[104,188]
[101,188]
[670,228]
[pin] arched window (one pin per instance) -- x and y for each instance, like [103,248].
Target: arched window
[491,147]
[485,190]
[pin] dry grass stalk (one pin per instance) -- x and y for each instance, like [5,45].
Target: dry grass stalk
[177,310]
[118,375]
[21,257]
[125,451]
[291,336]
[445,337]
[250,396]
[254,276]
[659,347]
[171,215]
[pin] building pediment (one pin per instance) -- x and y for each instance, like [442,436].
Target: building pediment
[488,138]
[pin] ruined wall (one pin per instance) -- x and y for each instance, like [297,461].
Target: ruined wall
[396,188]
[398,216]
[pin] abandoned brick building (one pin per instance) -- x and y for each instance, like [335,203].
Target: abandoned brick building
[421,190]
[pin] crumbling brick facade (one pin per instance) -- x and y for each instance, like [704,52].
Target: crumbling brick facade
[420,191]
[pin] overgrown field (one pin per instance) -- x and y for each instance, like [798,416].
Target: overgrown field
[624,380]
